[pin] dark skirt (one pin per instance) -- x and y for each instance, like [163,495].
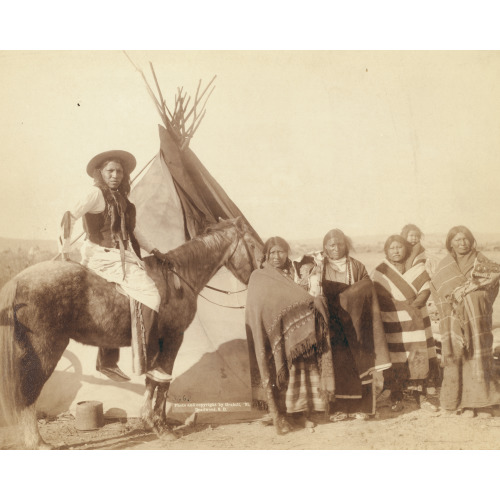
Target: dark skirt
[352,394]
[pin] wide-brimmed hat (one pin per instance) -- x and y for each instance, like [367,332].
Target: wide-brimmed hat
[126,159]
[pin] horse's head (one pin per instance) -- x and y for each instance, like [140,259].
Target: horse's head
[245,253]
[231,243]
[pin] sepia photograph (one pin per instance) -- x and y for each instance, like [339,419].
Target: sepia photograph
[249,250]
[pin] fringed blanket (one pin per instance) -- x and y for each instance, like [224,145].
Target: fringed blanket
[407,328]
[465,301]
[285,323]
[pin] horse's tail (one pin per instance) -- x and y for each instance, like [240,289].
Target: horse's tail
[9,376]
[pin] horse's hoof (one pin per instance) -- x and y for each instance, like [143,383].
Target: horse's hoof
[41,445]
[169,436]
[147,423]
[46,446]
[160,422]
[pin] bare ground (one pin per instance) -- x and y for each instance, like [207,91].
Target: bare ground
[412,429]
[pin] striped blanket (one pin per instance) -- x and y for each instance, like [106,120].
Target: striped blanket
[416,256]
[304,391]
[407,328]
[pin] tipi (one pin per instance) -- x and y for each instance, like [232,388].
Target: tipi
[175,199]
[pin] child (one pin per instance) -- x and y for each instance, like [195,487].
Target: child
[413,235]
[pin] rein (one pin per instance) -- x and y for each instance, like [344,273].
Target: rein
[206,286]
[227,292]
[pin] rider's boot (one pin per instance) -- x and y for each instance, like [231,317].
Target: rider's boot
[107,364]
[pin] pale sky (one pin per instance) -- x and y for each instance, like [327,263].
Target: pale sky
[301,141]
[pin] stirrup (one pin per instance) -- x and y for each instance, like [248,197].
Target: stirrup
[159,376]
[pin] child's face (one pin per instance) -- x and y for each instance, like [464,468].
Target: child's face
[305,270]
[413,238]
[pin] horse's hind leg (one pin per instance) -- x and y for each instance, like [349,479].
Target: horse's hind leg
[29,425]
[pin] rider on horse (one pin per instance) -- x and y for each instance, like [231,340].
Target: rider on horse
[112,250]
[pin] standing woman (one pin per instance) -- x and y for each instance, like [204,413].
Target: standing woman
[112,250]
[287,334]
[402,295]
[465,286]
[416,257]
[356,333]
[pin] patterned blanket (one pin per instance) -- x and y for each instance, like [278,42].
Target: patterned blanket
[285,323]
[465,307]
[407,328]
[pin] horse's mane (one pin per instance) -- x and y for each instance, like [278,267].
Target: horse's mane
[204,246]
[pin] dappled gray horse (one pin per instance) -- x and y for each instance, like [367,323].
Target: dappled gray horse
[48,304]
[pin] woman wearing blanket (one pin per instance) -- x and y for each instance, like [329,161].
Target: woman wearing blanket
[416,257]
[288,339]
[357,336]
[464,287]
[402,294]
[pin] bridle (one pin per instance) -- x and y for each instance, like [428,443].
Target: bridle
[170,268]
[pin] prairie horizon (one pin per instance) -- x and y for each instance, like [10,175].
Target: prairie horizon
[362,243]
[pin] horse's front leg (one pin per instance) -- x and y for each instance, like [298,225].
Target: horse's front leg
[159,413]
[147,407]
[279,421]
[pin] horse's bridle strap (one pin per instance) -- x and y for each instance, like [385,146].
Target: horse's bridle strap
[202,296]
[170,267]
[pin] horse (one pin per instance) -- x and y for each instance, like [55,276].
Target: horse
[49,303]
